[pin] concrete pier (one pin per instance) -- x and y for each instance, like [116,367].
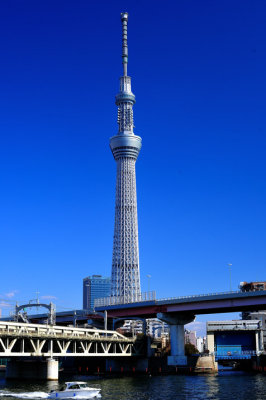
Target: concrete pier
[51,370]
[206,364]
[32,369]
[176,324]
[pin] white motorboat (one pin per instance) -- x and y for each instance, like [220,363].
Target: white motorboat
[74,389]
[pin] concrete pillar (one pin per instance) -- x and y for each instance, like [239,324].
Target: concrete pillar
[257,342]
[52,370]
[210,342]
[177,339]
[176,324]
[105,320]
[150,351]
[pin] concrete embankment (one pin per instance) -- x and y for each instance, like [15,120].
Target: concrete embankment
[141,366]
[204,364]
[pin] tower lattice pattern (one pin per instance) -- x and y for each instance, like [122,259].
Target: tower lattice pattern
[125,146]
[125,263]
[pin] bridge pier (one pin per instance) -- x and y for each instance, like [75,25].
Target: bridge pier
[176,324]
[51,370]
[32,369]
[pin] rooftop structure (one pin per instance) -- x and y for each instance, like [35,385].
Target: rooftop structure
[125,146]
[252,286]
[234,325]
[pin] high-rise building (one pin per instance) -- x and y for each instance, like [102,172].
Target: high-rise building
[125,146]
[95,287]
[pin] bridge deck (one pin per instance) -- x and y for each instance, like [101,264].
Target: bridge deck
[35,340]
[197,304]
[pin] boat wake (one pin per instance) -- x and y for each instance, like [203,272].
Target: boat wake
[42,395]
[26,395]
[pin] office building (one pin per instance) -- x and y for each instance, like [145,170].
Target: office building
[95,287]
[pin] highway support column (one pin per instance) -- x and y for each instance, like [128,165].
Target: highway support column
[176,324]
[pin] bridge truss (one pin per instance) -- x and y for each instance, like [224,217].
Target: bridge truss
[36,340]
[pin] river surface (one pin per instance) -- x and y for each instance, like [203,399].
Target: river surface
[223,386]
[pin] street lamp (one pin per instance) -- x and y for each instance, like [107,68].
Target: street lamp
[149,278]
[230,277]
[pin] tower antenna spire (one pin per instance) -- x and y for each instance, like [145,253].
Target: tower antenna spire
[124,19]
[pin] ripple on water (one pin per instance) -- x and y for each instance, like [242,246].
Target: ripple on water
[220,387]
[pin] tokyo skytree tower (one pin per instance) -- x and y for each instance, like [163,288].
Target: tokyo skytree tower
[125,146]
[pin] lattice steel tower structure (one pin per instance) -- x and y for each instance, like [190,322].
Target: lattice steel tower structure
[125,146]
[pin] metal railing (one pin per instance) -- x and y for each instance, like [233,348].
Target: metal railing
[113,300]
[19,329]
[199,295]
[148,296]
[234,355]
[37,340]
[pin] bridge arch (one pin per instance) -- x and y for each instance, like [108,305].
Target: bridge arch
[50,307]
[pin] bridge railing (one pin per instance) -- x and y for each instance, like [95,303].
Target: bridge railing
[18,329]
[113,300]
[231,355]
[199,295]
[148,296]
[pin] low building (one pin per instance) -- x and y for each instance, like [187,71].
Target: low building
[261,316]
[132,326]
[156,328]
[255,315]
[234,339]
[201,344]
[190,337]
[252,286]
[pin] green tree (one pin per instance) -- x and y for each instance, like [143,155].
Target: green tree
[190,349]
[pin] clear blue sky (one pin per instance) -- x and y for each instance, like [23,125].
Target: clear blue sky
[198,73]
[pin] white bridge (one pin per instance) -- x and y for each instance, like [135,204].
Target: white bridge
[36,340]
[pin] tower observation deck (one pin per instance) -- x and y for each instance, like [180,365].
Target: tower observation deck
[125,146]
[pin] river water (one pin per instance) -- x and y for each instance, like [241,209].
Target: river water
[223,386]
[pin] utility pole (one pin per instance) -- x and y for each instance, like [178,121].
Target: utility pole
[230,277]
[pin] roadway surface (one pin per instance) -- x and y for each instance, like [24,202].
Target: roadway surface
[194,305]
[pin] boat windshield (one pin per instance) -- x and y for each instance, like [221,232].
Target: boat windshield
[83,385]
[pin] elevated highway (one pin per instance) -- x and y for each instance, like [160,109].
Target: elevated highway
[194,305]
[176,311]
[179,311]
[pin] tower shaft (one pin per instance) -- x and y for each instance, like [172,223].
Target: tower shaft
[125,146]
[125,262]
